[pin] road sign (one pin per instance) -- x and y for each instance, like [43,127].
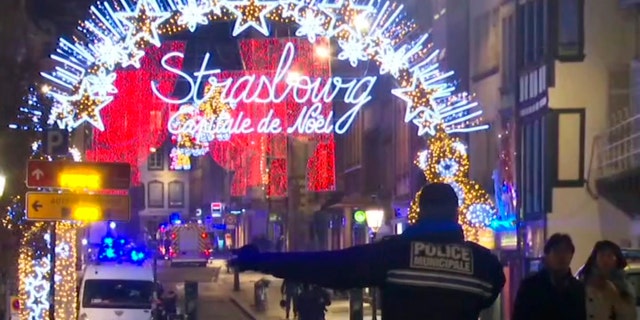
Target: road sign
[44,206]
[56,142]
[14,307]
[80,175]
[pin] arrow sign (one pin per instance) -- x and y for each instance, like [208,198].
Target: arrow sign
[36,206]
[49,174]
[45,206]
[37,174]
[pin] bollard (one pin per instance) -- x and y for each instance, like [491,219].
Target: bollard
[236,280]
[260,295]
[356,311]
[191,300]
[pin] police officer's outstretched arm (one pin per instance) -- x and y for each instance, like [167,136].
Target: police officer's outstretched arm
[359,266]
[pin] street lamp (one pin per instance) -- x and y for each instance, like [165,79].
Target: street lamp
[375,217]
[3,182]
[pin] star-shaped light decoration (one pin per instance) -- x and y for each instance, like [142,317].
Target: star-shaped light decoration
[88,106]
[132,56]
[216,6]
[427,122]
[290,7]
[418,98]
[142,23]
[347,16]
[193,13]
[251,13]
[64,106]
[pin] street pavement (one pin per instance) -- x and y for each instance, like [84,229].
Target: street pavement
[213,300]
[338,310]
[218,301]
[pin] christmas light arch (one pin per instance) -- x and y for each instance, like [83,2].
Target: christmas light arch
[118,32]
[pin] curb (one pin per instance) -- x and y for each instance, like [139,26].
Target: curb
[245,310]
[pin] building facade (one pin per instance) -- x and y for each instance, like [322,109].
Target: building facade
[575,68]
[163,191]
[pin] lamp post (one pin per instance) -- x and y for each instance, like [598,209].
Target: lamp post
[3,182]
[375,218]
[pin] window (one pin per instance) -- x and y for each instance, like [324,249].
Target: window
[532,24]
[508,64]
[567,137]
[155,161]
[176,194]
[536,169]
[569,15]
[155,194]
[118,294]
[486,44]
[540,21]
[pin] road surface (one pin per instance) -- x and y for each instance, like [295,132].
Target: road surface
[214,301]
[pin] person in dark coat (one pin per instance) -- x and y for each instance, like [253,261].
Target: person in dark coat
[552,293]
[428,272]
[290,292]
[313,302]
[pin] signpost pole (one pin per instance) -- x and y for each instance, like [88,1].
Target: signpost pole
[52,272]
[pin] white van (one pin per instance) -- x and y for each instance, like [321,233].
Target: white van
[117,291]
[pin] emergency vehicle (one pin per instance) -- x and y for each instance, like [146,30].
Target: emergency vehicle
[189,245]
[117,291]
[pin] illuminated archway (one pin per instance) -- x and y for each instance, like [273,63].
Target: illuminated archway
[119,31]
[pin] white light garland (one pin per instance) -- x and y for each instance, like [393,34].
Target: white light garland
[117,27]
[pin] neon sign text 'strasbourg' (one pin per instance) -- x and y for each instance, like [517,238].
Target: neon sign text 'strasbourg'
[310,93]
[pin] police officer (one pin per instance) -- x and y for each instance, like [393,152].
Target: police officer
[428,272]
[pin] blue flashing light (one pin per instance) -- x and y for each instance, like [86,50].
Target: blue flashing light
[137,256]
[174,218]
[119,250]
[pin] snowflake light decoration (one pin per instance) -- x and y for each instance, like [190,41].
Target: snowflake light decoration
[118,32]
[101,84]
[480,214]
[448,168]
[193,13]
[354,50]
[311,25]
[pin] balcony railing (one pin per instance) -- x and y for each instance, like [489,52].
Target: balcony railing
[619,146]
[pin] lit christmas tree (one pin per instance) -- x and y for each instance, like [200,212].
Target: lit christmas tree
[446,161]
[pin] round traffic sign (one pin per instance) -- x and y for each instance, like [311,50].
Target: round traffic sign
[15,304]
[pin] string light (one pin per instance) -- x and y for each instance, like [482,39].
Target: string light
[383,33]
[33,281]
[446,161]
[186,144]
[65,270]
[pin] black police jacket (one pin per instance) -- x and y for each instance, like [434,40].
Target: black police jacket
[429,272]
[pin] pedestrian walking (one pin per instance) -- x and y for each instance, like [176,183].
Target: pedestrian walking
[425,273]
[553,293]
[290,292]
[609,295]
[313,302]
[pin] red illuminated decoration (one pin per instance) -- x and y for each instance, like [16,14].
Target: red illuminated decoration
[262,159]
[136,119]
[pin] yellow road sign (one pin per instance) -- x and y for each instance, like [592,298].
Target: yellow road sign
[45,206]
